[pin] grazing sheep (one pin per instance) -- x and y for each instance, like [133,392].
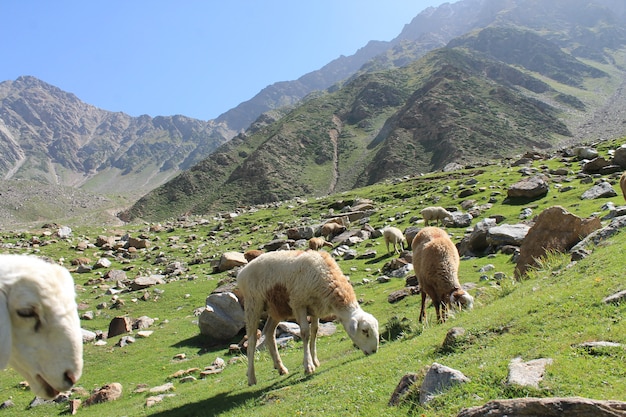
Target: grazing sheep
[622,184]
[301,284]
[40,334]
[395,236]
[434,213]
[317,243]
[436,264]
[252,253]
[332,229]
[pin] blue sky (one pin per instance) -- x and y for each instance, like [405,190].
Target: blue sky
[198,58]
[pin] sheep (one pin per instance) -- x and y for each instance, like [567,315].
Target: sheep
[436,264]
[252,253]
[298,284]
[40,333]
[317,243]
[395,236]
[332,229]
[435,213]
[622,184]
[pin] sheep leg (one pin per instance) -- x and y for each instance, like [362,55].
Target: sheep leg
[270,340]
[423,309]
[252,325]
[313,342]
[305,334]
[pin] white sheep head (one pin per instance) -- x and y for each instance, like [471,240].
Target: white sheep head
[40,333]
[363,330]
[461,300]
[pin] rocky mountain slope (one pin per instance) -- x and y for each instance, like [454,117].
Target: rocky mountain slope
[51,136]
[489,94]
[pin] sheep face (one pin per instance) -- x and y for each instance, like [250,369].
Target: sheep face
[363,330]
[40,333]
[461,300]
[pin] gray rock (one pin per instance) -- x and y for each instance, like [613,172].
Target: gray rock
[532,187]
[222,318]
[527,373]
[547,407]
[602,190]
[438,379]
[507,234]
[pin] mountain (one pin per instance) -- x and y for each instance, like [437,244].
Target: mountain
[498,89]
[51,136]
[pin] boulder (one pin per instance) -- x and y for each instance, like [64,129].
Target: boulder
[476,242]
[555,229]
[119,325]
[585,152]
[230,260]
[438,379]
[507,234]
[601,190]
[547,407]
[619,157]
[141,283]
[531,187]
[222,318]
[595,165]
[527,374]
[109,392]
[458,219]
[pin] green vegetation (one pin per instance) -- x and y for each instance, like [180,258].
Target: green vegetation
[548,314]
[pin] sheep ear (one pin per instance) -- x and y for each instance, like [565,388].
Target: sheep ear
[5,331]
[352,326]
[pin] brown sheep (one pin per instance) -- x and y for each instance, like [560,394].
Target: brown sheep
[317,243]
[622,184]
[436,264]
[332,229]
[252,253]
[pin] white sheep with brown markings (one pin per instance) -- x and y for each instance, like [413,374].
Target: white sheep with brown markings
[305,285]
[436,264]
[40,333]
[435,213]
[394,236]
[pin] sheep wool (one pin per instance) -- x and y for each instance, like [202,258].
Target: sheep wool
[436,264]
[304,285]
[394,236]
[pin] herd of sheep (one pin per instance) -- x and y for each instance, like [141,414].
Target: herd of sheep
[41,338]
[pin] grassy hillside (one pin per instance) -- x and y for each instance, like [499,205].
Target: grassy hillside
[546,315]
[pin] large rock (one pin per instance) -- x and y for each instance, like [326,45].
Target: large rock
[595,165]
[119,325]
[527,374]
[476,243]
[141,283]
[555,229]
[109,392]
[619,157]
[532,187]
[438,379]
[230,260]
[507,234]
[547,407]
[222,318]
[601,190]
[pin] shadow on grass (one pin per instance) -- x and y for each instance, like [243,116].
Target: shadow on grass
[206,345]
[222,403]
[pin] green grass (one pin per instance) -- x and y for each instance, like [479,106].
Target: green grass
[548,314]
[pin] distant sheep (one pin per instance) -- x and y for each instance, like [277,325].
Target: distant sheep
[436,264]
[394,236]
[332,229]
[300,284]
[252,254]
[317,243]
[40,333]
[435,213]
[622,184]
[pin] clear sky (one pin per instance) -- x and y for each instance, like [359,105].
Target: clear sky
[198,58]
